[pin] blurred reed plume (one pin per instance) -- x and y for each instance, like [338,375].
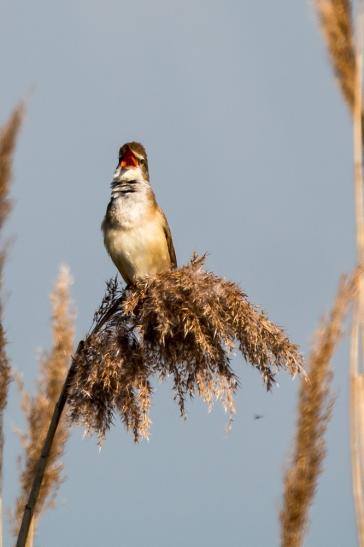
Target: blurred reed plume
[38,409]
[337,28]
[314,412]
[8,138]
[346,55]
[182,323]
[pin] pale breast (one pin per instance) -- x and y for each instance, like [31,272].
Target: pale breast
[135,240]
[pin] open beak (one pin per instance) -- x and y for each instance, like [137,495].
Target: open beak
[128,160]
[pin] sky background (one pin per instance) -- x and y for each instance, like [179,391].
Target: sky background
[249,149]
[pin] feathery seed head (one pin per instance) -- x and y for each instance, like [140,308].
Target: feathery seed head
[181,324]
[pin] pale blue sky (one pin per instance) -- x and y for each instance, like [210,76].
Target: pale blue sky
[250,156]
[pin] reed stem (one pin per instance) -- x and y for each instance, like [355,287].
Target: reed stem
[357,335]
[29,509]
[28,514]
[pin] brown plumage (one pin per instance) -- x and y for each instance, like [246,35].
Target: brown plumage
[136,232]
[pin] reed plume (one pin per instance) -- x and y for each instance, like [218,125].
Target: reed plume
[345,51]
[8,138]
[38,409]
[314,411]
[181,324]
[337,28]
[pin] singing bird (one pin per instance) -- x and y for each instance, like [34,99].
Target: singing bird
[136,231]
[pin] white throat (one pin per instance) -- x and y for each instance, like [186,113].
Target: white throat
[129,181]
[127,175]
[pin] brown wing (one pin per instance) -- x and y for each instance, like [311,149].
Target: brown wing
[167,233]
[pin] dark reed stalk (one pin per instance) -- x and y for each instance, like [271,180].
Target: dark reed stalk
[182,323]
[8,137]
[40,468]
[38,409]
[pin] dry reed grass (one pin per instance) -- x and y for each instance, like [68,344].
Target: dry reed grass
[38,410]
[346,55]
[314,412]
[181,324]
[357,423]
[356,354]
[8,137]
[337,28]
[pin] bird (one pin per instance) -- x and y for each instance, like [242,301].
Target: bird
[136,231]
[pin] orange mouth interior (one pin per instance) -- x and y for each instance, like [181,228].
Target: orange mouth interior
[128,160]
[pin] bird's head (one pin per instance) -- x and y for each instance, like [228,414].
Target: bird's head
[133,164]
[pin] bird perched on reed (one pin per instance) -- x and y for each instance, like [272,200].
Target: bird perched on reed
[136,231]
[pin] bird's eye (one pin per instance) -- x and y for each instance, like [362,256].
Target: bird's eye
[142,161]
